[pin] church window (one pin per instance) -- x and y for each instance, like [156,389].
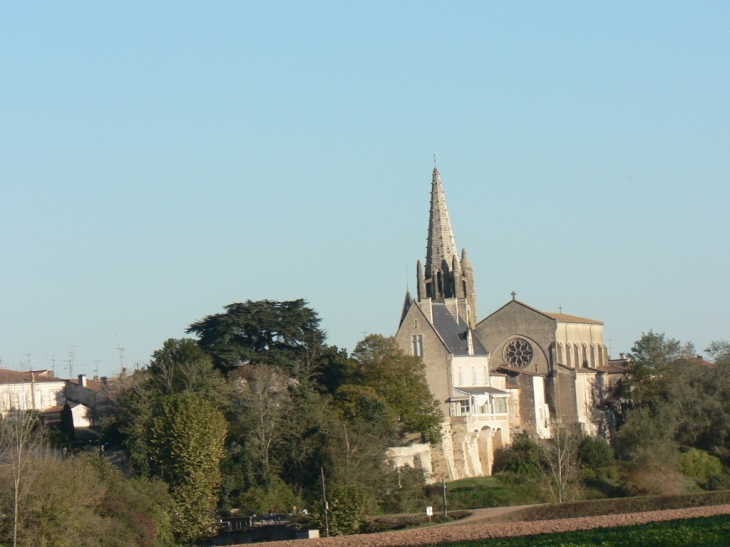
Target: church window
[518,353]
[417,344]
[473,376]
[577,356]
[485,371]
[461,377]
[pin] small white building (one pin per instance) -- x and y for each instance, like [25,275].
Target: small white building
[34,390]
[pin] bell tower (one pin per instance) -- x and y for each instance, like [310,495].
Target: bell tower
[444,278]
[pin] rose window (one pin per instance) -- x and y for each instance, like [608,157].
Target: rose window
[518,353]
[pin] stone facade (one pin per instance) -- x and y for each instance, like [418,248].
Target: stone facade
[519,369]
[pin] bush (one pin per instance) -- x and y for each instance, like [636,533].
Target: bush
[699,465]
[348,506]
[519,460]
[276,495]
[595,452]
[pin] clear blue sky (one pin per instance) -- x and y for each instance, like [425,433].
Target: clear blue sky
[159,160]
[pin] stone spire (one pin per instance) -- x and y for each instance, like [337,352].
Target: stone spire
[441,246]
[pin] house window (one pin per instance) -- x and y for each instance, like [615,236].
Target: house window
[500,405]
[486,376]
[473,376]
[464,407]
[417,343]
[461,377]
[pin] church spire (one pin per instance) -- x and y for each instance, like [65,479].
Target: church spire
[441,246]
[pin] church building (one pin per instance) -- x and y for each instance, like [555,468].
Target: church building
[519,369]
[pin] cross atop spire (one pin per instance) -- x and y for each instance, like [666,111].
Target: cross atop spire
[441,246]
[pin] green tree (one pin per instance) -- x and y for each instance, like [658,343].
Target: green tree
[187,444]
[283,334]
[595,452]
[67,423]
[400,380]
[181,365]
[348,505]
[262,403]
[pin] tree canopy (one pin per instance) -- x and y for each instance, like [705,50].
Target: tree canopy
[282,334]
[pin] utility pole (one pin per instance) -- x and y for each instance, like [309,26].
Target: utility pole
[325,507]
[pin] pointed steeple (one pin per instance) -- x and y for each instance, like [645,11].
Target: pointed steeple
[441,246]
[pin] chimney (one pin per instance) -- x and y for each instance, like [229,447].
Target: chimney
[104,381]
[622,356]
[82,380]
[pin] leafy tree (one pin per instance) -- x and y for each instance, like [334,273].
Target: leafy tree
[400,380]
[282,334]
[187,445]
[67,423]
[263,400]
[719,351]
[181,365]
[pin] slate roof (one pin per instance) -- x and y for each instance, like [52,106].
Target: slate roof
[453,334]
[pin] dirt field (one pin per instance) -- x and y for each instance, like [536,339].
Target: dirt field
[466,532]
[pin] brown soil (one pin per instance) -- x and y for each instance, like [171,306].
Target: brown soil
[452,534]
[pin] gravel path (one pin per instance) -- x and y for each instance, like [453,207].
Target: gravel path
[452,534]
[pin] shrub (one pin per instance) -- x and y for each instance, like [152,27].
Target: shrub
[595,452]
[699,465]
[519,460]
[276,495]
[348,505]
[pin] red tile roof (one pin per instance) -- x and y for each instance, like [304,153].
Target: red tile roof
[90,384]
[8,376]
